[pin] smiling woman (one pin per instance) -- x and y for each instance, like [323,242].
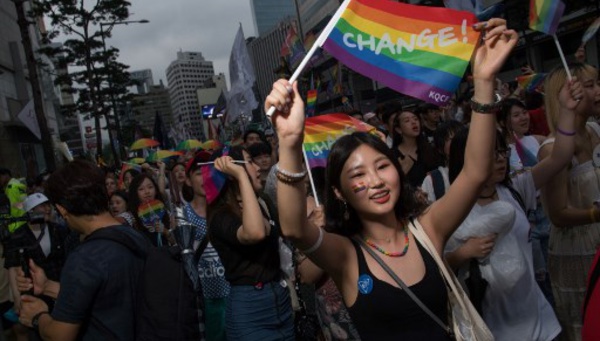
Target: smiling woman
[382,212]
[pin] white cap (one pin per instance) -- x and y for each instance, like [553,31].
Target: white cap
[34,200]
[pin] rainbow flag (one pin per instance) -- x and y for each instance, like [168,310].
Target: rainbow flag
[321,132]
[531,83]
[528,159]
[544,15]
[151,214]
[419,51]
[214,180]
[311,102]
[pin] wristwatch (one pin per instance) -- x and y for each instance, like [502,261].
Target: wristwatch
[35,321]
[489,108]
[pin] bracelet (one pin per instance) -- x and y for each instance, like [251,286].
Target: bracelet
[565,133]
[489,108]
[288,177]
[316,245]
[300,175]
[593,215]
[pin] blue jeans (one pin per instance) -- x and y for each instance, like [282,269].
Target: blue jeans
[263,314]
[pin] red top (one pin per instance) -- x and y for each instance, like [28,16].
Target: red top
[537,122]
[591,327]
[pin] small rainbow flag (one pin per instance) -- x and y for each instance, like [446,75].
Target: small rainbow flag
[544,15]
[419,51]
[528,159]
[151,214]
[321,132]
[214,180]
[531,83]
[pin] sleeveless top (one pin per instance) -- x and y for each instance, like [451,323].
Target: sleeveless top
[385,312]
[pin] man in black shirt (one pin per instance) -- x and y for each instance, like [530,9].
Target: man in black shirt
[95,296]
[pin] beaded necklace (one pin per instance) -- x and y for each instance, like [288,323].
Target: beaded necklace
[390,254]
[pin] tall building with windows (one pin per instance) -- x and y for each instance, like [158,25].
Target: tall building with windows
[185,75]
[267,13]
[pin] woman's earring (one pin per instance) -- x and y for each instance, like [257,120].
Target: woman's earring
[346,213]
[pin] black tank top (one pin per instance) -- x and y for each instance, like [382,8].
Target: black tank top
[385,312]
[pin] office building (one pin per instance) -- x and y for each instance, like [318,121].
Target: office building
[185,75]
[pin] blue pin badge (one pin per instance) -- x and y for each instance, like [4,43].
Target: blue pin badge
[365,284]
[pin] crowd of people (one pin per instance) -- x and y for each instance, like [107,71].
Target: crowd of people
[509,198]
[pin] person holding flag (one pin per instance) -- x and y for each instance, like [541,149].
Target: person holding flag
[368,203]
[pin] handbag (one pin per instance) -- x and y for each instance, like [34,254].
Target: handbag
[467,324]
[306,326]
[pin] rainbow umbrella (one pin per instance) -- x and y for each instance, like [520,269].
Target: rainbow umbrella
[189,145]
[144,143]
[137,160]
[162,155]
[211,145]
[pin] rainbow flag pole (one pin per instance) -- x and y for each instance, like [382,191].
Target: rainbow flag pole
[318,43]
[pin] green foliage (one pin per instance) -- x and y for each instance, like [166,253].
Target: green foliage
[95,76]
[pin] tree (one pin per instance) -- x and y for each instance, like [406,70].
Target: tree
[91,66]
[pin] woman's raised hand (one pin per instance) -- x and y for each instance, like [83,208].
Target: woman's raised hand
[571,94]
[226,165]
[495,47]
[288,118]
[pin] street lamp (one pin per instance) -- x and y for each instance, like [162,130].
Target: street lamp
[112,97]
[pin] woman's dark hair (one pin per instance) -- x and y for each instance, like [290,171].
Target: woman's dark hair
[457,154]
[533,100]
[407,205]
[503,115]
[257,132]
[120,194]
[442,134]
[258,149]
[134,201]
[226,201]
[318,175]
[79,188]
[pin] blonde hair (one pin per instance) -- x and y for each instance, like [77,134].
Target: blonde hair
[555,80]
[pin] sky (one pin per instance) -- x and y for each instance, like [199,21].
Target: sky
[188,25]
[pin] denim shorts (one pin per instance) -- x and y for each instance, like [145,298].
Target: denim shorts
[259,313]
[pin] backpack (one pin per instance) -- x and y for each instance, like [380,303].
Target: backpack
[166,303]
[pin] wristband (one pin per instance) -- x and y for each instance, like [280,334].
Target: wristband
[565,133]
[35,321]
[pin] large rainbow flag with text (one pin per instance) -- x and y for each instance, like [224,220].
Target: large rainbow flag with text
[419,51]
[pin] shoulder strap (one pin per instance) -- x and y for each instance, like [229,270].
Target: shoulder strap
[402,285]
[591,285]
[451,280]
[438,183]
[517,196]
